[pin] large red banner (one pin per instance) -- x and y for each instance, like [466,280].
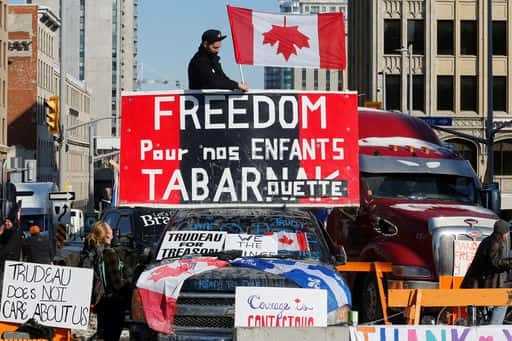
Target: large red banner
[200,149]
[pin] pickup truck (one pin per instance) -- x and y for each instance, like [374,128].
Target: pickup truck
[205,305]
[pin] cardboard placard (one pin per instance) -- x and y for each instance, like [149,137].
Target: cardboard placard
[280,307]
[223,149]
[182,243]
[463,253]
[56,296]
[252,245]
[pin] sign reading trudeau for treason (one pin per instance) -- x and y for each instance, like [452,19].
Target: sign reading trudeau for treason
[231,149]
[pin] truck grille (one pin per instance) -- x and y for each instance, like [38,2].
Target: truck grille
[204,322]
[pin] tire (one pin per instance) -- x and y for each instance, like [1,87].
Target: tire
[370,308]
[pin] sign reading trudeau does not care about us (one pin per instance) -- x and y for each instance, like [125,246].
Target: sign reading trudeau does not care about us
[56,296]
[256,149]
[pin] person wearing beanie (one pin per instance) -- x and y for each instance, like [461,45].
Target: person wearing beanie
[37,248]
[490,265]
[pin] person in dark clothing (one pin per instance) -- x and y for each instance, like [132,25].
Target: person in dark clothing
[205,70]
[36,248]
[10,242]
[488,268]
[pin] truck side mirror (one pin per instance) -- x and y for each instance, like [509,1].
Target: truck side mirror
[491,197]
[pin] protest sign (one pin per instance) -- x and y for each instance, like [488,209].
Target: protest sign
[464,252]
[222,149]
[182,243]
[280,307]
[427,333]
[56,296]
[252,245]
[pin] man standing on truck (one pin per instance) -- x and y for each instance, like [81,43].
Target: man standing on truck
[205,70]
[488,268]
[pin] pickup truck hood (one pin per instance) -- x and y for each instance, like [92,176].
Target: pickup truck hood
[228,278]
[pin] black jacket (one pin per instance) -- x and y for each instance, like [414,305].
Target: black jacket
[488,268]
[205,72]
[36,249]
[10,245]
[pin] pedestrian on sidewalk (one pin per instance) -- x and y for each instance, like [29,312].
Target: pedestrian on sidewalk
[488,268]
[205,70]
[36,248]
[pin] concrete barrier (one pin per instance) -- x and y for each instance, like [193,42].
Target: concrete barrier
[293,334]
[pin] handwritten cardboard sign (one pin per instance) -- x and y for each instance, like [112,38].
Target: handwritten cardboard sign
[56,296]
[280,307]
[177,244]
[463,253]
[252,245]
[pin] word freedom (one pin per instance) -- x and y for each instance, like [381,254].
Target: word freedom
[266,112]
[249,183]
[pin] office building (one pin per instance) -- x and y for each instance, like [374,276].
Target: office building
[5,46]
[304,78]
[449,68]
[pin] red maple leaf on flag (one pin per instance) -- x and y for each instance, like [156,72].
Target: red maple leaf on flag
[289,38]
[285,240]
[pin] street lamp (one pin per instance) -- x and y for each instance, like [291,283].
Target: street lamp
[408,50]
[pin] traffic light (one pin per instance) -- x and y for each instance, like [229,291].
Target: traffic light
[53,114]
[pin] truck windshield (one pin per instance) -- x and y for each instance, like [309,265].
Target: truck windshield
[422,186]
[298,238]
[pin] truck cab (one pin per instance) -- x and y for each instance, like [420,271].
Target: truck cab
[419,199]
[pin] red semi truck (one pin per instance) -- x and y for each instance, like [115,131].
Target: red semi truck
[419,202]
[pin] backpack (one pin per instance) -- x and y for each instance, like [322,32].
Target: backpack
[90,258]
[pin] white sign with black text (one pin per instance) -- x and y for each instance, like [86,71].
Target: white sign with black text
[56,296]
[280,307]
[252,245]
[182,243]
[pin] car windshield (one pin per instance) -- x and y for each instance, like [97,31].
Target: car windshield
[422,186]
[297,237]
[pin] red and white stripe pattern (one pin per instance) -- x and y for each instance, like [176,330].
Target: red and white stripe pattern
[311,41]
[159,289]
[291,241]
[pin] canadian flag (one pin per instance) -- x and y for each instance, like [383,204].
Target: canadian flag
[311,41]
[291,241]
[160,287]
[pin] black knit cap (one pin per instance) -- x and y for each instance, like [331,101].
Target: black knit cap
[501,227]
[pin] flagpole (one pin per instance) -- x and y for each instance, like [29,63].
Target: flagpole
[241,73]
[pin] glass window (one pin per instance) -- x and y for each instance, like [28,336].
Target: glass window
[112,219]
[393,92]
[468,93]
[468,37]
[503,158]
[125,225]
[499,91]
[418,92]
[499,38]
[416,36]
[445,37]
[466,150]
[392,36]
[445,93]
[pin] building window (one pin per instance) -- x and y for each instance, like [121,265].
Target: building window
[328,80]
[468,37]
[468,93]
[445,93]
[393,92]
[503,158]
[392,36]
[445,37]
[467,150]
[499,91]
[315,79]
[499,38]
[416,35]
[418,92]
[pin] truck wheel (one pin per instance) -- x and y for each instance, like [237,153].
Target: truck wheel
[370,300]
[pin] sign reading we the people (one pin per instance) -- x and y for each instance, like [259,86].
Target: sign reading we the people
[264,148]
[55,296]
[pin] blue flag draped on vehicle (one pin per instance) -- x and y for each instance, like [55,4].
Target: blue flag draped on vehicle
[305,275]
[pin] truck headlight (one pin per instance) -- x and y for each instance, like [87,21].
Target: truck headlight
[410,271]
[338,316]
